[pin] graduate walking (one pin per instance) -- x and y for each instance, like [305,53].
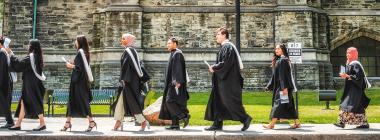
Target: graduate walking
[6,85]
[225,102]
[283,86]
[80,94]
[174,103]
[127,101]
[33,90]
[354,100]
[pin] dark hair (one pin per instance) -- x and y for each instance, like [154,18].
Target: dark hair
[2,39]
[223,30]
[83,44]
[174,40]
[284,51]
[35,48]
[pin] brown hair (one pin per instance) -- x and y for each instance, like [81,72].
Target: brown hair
[223,30]
[83,44]
[174,40]
[35,47]
[284,51]
[2,39]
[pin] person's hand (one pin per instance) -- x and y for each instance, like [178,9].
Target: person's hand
[210,69]
[71,61]
[177,85]
[69,65]
[344,76]
[9,50]
[285,91]
[266,89]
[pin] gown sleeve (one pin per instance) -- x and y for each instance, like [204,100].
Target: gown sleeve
[3,64]
[20,64]
[222,68]
[270,83]
[284,74]
[78,68]
[178,69]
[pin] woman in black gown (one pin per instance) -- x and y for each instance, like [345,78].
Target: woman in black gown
[283,86]
[80,94]
[33,90]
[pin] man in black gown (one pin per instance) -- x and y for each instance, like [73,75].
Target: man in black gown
[225,102]
[5,86]
[174,103]
[354,100]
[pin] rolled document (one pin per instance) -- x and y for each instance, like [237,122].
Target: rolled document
[64,59]
[176,90]
[7,41]
[206,63]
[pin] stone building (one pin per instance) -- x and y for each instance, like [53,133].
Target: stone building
[325,28]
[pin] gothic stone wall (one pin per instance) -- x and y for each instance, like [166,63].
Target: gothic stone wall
[154,21]
[351,4]
[1,16]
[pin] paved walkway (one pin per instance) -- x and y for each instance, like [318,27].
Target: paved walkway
[105,124]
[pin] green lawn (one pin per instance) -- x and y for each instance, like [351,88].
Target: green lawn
[258,105]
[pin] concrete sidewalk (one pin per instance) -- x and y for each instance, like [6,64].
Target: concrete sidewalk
[256,131]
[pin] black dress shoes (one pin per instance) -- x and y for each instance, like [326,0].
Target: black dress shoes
[186,121]
[214,128]
[366,126]
[172,127]
[246,123]
[14,128]
[341,125]
[7,125]
[40,128]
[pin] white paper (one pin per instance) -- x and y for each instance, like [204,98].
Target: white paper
[64,59]
[342,69]
[206,63]
[176,90]
[283,98]
[7,41]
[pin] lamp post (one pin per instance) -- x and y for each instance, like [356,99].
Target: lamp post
[237,24]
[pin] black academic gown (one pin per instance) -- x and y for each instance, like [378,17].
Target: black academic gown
[80,94]
[225,102]
[131,90]
[33,90]
[173,102]
[281,79]
[5,88]
[354,98]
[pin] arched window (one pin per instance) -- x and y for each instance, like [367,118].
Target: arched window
[369,55]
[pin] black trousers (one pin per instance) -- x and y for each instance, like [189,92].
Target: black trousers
[7,111]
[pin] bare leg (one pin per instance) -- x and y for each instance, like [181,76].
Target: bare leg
[68,122]
[21,115]
[41,119]
[91,124]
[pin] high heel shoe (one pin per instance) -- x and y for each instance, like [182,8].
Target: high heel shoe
[65,128]
[40,128]
[269,126]
[89,129]
[295,126]
[144,125]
